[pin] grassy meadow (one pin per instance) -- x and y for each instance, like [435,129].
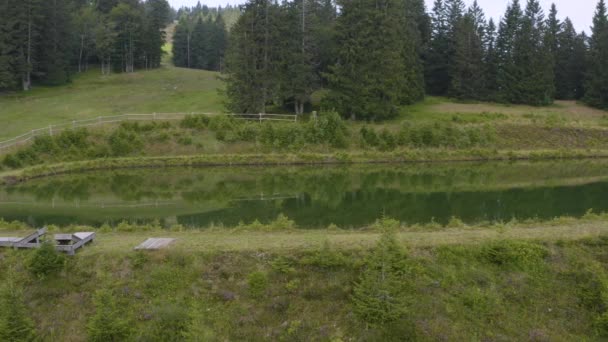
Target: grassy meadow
[164,90]
[534,281]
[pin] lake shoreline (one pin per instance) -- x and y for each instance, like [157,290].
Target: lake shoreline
[296,159]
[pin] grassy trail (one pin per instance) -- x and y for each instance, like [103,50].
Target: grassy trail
[300,240]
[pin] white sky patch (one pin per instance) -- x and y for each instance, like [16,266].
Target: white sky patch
[580,11]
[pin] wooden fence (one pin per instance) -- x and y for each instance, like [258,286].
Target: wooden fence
[102,120]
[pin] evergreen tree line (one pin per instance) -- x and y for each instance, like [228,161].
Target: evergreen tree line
[200,38]
[46,41]
[374,56]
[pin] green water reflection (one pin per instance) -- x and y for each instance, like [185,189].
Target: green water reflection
[349,196]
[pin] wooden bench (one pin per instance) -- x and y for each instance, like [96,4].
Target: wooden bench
[30,241]
[69,243]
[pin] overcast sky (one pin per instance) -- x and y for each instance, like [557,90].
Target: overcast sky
[580,11]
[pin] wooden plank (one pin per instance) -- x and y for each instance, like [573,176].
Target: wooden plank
[155,243]
[26,242]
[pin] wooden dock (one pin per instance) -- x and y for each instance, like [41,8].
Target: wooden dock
[67,243]
[30,241]
[70,243]
[154,244]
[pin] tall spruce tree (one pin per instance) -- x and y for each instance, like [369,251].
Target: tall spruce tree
[218,41]
[251,61]
[436,56]
[534,84]
[490,67]
[54,53]
[596,89]
[199,44]
[417,29]
[296,69]
[553,30]
[570,63]
[508,71]
[361,87]
[467,78]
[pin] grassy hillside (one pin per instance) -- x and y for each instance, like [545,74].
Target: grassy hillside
[435,129]
[163,90]
[545,283]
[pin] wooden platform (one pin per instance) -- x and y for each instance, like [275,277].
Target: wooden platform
[68,243]
[30,241]
[155,243]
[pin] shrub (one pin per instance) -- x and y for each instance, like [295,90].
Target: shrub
[282,265]
[282,222]
[46,261]
[325,258]
[379,296]
[123,142]
[171,323]
[15,323]
[108,322]
[185,140]
[195,122]
[515,254]
[258,284]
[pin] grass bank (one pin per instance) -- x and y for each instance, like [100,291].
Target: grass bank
[543,281]
[281,159]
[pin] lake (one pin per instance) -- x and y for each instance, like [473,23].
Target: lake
[348,196]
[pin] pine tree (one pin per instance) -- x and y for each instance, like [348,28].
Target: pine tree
[535,82]
[570,63]
[84,27]
[490,67]
[436,58]
[181,44]
[15,323]
[218,42]
[553,31]
[8,47]
[296,60]
[156,18]
[105,43]
[127,19]
[466,73]
[26,29]
[108,323]
[199,45]
[251,61]
[596,89]
[53,55]
[508,72]
[417,29]
[380,294]
[368,81]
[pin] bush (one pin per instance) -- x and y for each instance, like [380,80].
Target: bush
[108,322]
[515,254]
[195,122]
[46,261]
[258,284]
[171,323]
[380,295]
[123,142]
[325,258]
[15,323]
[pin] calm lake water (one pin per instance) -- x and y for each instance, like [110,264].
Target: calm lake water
[349,196]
